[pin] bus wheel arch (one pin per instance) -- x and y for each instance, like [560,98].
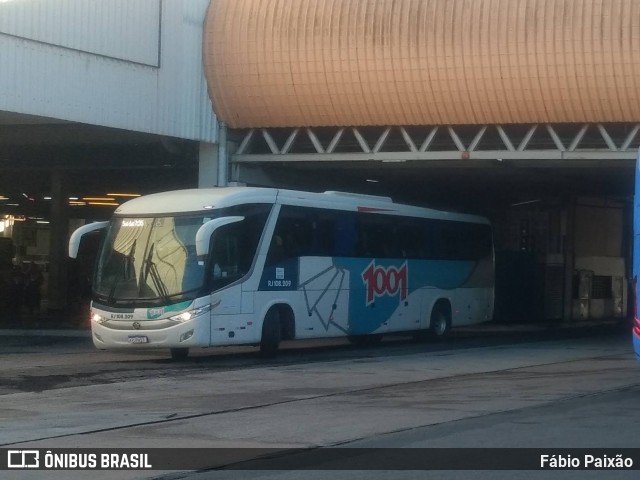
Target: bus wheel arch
[278,325]
[440,319]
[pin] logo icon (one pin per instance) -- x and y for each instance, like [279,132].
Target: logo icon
[154,313]
[382,281]
[23,459]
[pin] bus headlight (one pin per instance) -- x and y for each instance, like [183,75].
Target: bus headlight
[97,318]
[190,314]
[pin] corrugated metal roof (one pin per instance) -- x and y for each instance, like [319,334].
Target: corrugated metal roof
[423,62]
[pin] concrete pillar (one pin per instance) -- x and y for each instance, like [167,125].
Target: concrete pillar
[569,257]
[223,156]
[58,240]
[208,165]
[213,168]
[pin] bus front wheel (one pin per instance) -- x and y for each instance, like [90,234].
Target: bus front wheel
[440,324]
[271,334]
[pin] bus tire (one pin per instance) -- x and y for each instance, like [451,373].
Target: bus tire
[179,353]
[271,334]
[440,323]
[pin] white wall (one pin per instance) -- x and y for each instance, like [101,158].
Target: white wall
[135,65]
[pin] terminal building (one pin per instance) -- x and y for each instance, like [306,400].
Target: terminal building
[525,111]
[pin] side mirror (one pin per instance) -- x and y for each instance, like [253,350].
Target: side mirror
[76,236]
[203,235]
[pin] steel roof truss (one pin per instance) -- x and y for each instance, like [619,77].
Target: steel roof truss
[527,138]
[505,138]
[408,140]
[632,135]
[578,138]
[427,141]
[561,141]
[334,141]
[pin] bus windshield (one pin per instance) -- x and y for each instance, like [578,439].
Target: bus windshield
[150,260]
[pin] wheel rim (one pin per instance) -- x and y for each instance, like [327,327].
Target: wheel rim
[440,326]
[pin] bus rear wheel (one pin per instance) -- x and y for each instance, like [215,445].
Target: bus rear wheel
[440,324]
[179,353]
[271,334]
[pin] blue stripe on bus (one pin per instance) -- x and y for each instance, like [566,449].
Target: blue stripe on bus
[377,286]
[376,289]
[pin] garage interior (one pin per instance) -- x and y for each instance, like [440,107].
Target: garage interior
[559,197]
[562,219]
[56,176]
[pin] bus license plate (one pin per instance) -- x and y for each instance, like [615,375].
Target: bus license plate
[138,339]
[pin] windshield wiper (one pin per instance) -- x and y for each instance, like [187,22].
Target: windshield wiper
[150,267]
[129,261]
[112,291]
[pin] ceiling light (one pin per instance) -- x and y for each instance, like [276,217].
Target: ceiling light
[98,199]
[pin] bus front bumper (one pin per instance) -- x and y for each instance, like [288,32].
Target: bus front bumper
[193,333]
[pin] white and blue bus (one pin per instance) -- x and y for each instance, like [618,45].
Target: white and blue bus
[636,260]
[254,266]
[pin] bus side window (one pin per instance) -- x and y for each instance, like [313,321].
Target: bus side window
[306,231]
[292,236]
[411,239]
[434,242]
[345,235]
[277,252]
[377,236]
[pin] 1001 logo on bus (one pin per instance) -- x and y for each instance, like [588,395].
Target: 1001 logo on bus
[382,281]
